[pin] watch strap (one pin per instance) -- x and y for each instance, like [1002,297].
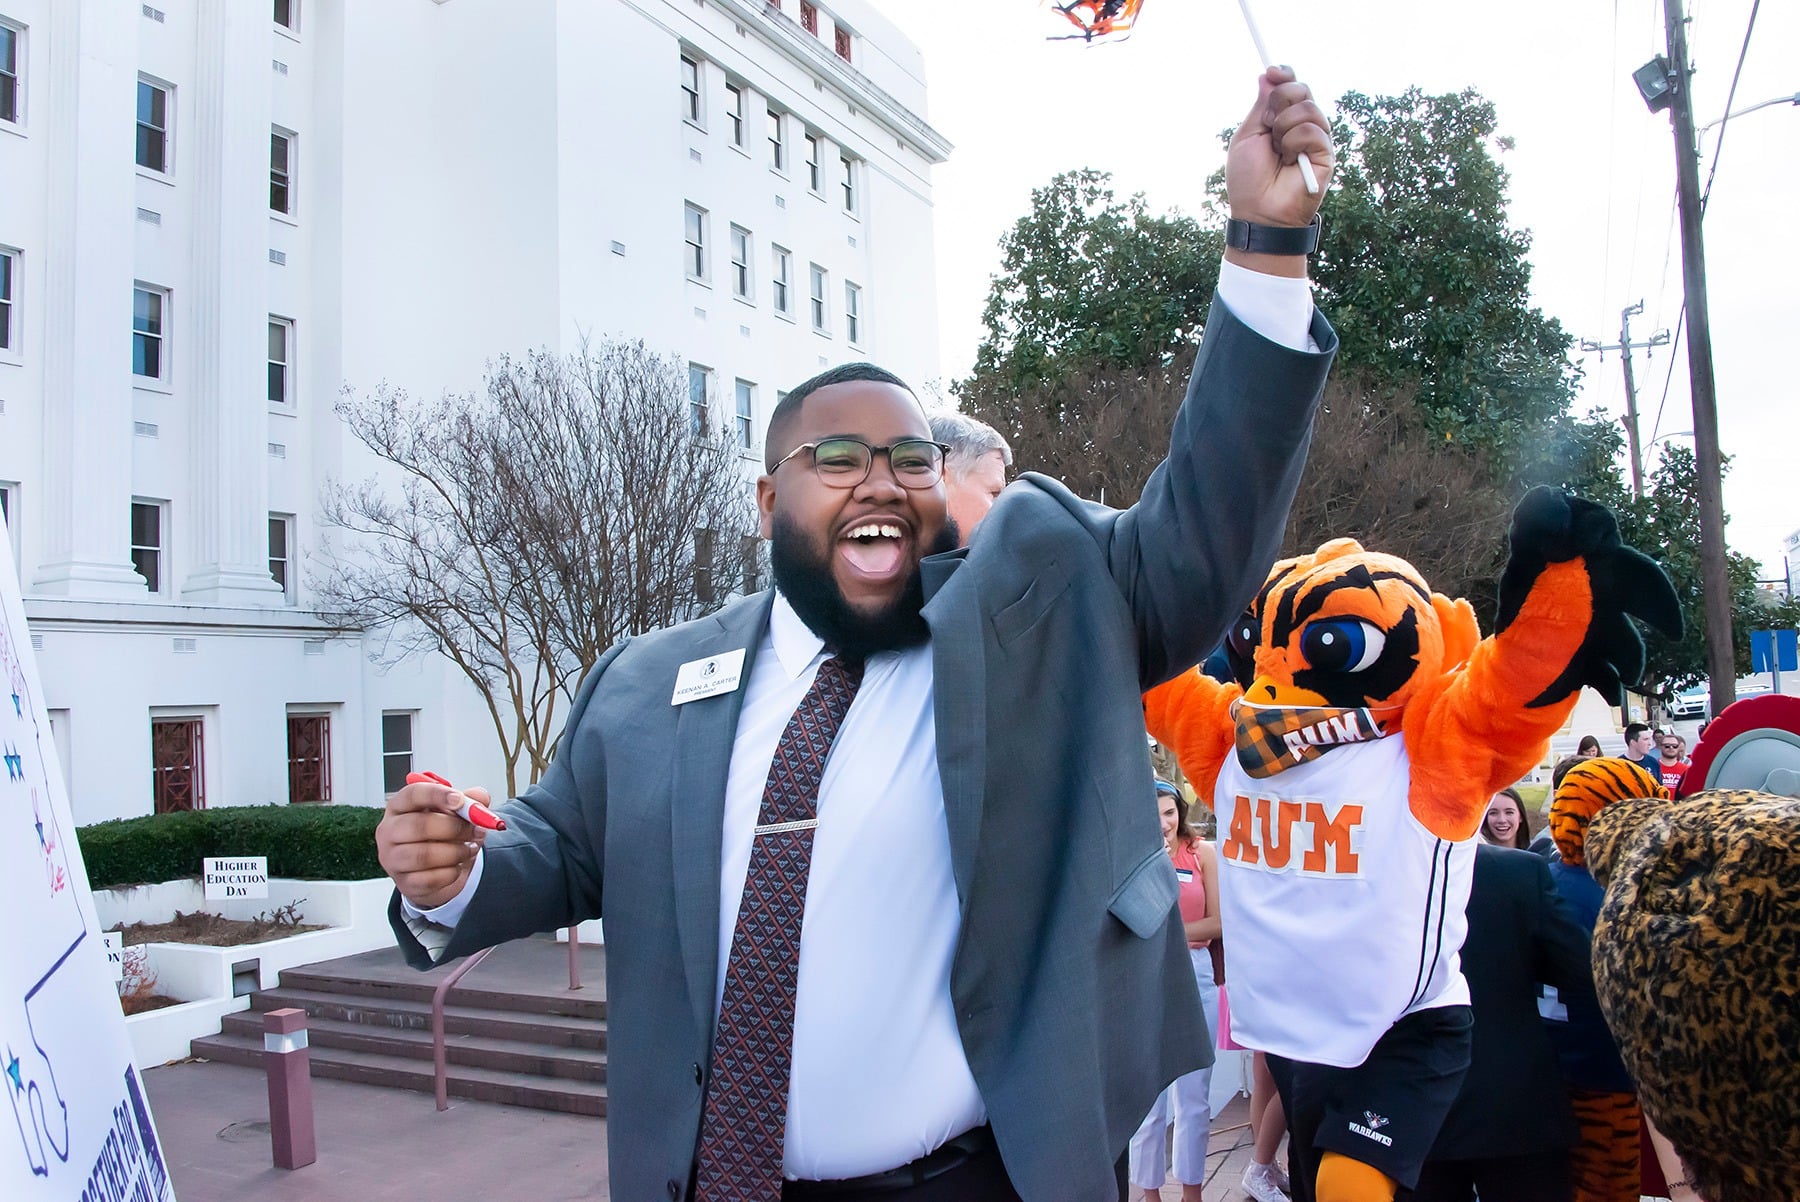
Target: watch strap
[1272,239]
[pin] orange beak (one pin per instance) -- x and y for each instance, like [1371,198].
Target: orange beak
[1266,691]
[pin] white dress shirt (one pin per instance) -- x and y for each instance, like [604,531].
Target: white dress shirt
[879,1073]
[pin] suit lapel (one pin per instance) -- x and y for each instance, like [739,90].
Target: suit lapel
[959,705]
[704,734]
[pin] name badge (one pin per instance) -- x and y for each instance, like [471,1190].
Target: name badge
[701,678]
[1184,875]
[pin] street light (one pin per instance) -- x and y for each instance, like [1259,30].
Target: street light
[1761,104]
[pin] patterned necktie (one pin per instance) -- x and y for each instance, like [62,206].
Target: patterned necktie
[744,1123]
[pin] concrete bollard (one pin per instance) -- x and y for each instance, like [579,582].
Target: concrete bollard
[290,1088]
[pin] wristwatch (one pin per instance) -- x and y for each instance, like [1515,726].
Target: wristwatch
[1272,239]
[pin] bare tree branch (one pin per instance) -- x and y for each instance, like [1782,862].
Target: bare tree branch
[521,531]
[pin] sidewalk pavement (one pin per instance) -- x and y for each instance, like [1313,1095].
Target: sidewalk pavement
[378,1144]
[375,1144]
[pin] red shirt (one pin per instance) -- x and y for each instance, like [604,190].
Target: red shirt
[1671,775]
[1192,898]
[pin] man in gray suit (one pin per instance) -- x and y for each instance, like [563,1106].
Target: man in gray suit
[974,985]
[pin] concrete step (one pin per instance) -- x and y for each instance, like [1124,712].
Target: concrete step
[402,1072]
[508,1055]
[415,1014]
[469,992]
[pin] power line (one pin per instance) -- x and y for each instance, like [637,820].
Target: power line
[1729,97]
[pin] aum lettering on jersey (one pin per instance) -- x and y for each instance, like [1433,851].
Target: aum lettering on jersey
[1273,834]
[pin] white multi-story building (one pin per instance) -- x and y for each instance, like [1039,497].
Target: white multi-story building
[276,199]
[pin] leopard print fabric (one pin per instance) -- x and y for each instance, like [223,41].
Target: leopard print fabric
[1697,964]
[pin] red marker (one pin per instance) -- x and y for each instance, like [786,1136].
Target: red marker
[470,811]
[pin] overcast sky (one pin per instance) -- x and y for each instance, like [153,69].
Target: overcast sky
[1592,170]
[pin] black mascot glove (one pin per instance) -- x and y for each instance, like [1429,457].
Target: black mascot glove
[1550,526]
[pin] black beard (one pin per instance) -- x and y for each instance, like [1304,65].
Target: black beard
[803,574]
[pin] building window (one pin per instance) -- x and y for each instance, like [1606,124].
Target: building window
[690,90]
[9,509]
[736,112]
[745,417]
[177,764]
[812,162]
[147,308]
[703,566]
[281,171]
[849,167]
[695,220]
[147,542]
[396,751]
[740,262]
[784,270]
[9,72]
[843,43]
[309,758]
[750,550]
[287,15]
[281,533]
[852,312]
[153,126]
[819,312]
[777,148]
[809,17]
[8,270]
[699,384]
[281,346]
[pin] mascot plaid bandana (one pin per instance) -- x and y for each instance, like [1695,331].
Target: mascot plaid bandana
[1271,738]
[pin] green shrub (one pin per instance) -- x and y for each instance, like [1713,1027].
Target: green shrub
[320,843]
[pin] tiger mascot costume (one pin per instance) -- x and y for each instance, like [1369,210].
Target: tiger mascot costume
[1350,766]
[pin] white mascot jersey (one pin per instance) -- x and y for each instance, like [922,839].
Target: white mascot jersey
[1342,912]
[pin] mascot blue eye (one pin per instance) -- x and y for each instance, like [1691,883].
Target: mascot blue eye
[1342,644]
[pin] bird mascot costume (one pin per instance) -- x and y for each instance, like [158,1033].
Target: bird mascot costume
[1350,765]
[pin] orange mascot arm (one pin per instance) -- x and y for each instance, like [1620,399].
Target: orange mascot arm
[1564,599]
[1191,716]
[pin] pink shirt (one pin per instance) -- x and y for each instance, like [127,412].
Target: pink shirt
[1192,899]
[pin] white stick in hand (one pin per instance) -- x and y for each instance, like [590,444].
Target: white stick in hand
[1262,52]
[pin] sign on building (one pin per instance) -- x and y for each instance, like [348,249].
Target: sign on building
[81,1124]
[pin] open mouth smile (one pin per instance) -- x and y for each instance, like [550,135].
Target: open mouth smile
[874,548]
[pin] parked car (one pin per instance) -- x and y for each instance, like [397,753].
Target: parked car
[1691,704]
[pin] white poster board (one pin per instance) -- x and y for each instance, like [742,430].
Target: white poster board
[81,1125]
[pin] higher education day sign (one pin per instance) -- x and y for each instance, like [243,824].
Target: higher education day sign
[82,1130]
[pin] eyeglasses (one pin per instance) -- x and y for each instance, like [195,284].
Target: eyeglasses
[845,462]
[1671,746]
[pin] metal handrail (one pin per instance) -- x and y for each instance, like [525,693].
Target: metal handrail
[440,1068]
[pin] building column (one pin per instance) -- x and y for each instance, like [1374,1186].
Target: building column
[88,254]
[228,450]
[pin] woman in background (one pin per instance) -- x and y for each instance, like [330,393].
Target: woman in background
[1186,1103]
[1505,824]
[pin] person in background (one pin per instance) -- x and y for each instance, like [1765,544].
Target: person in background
[1673,762]
[1187,1102]
[1640,748]
[1507,1138]
[1604,1164]
[1505,824]
[974,468]
[1589,746]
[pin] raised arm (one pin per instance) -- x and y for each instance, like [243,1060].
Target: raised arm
[1194,548]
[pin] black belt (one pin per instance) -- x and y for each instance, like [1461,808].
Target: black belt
[952,1154]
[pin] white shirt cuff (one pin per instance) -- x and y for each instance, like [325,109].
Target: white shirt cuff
[433,927]
[1278,307]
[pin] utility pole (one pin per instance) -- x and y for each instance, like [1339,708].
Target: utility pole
[1715,580]
[1626,345]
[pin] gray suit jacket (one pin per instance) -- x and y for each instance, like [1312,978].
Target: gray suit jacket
[1071,981]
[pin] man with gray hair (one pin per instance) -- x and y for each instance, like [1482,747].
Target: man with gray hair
[974,468]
